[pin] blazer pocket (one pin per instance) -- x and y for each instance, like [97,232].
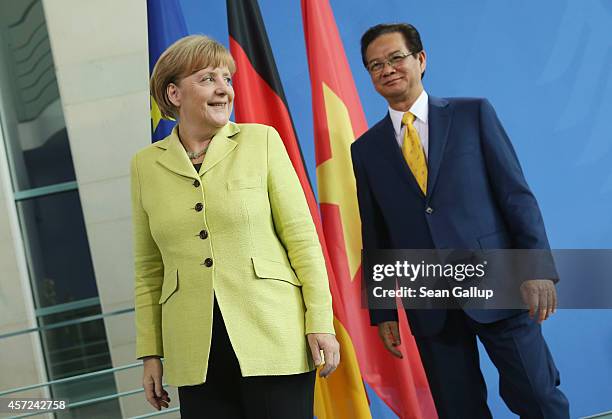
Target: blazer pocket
[253,182]
[269,269]
[169,285]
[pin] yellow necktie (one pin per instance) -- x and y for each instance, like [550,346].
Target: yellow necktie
[413,152]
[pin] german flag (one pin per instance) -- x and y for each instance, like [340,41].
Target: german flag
[338,121]
[260,98]
[259,94]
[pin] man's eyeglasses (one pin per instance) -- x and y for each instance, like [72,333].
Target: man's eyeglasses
[393,60]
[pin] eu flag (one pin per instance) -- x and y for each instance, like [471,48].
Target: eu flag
[166,25]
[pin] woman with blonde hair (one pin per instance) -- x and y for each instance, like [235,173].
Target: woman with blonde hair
[231,286]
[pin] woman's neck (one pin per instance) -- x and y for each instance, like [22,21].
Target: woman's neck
[195,142]
[194,139]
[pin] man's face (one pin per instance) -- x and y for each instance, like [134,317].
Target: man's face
[402,80]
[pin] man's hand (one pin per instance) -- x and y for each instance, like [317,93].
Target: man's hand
[152,382]
[327,343]
[540,295]
[389,333]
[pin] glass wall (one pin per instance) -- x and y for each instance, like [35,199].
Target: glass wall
[49,210]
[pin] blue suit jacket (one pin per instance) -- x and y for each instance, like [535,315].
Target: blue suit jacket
[477,196]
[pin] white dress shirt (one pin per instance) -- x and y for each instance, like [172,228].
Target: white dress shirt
[420,109]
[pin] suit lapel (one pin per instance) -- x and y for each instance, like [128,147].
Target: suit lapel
[392,153]
[220,147]
[439,124]
[176,160]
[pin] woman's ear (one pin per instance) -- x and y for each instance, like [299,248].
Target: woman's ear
[174,94]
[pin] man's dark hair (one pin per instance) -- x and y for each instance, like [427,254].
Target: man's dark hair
[409,32]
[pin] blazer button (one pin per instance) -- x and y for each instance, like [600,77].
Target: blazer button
[429,210]
[208,262]
[196,183]
[203,234]
[199,207]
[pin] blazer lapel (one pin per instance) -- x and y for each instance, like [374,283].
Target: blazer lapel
[392,153]
[220,147]
[439,124]
[175,158]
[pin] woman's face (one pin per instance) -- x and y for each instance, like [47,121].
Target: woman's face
[204,98]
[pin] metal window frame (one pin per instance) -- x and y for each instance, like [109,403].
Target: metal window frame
[45,190]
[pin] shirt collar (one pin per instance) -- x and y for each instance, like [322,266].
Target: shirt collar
[420,109]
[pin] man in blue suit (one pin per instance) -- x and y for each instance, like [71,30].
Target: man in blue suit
[440,173]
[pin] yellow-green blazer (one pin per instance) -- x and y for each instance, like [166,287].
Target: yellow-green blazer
[240,228]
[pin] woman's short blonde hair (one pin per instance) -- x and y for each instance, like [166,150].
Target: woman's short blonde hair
[183,58]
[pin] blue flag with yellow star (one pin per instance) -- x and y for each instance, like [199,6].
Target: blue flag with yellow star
[166,25]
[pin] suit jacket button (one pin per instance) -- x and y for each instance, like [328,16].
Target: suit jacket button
[199,207]
[203,234]
[196,183]
[208,262]
[429,210]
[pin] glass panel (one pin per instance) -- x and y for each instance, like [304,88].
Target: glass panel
[51,162]
[57,249]
[61,272]
[79,349]
[37,143]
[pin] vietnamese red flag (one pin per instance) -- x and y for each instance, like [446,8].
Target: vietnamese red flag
[338,121]
[260,99]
